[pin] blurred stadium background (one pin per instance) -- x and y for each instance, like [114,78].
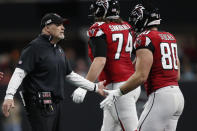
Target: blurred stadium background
[19,24]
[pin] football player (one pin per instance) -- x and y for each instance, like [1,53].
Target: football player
[158,67]
[110,44]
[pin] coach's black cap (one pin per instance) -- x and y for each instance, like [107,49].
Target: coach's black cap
[53,18]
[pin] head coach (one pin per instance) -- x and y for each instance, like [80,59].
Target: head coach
[41,71]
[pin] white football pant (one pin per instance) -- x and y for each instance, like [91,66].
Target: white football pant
[162,110]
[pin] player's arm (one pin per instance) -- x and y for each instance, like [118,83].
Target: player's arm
[96,68]
[144,60]
[98,47]
[80,81]
[99,50]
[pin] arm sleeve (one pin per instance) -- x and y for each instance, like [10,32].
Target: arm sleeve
[98,46]
[15,81]
[143,42]
[28,58]
[81,82]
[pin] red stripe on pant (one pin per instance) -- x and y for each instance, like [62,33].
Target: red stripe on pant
[121,125]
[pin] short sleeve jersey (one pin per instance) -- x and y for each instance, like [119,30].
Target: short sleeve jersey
[46,66]
[164,70]
[119,39]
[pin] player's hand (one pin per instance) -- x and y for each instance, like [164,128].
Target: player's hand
[1,75]
[100,88]
[79,95]
[8,104]
[112,96]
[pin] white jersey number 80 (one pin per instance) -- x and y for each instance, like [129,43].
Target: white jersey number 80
[169,55]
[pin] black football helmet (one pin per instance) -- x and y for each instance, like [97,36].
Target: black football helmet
[105,9]
[142,17]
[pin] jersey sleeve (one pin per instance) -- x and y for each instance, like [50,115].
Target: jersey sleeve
[143,42]
[98,46]
[28,58]
[96,30]
[97,40]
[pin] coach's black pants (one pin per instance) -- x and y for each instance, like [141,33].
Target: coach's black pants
[43,119]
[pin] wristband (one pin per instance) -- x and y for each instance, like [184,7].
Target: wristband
[9,96]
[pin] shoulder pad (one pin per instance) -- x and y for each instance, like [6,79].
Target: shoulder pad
[142,41]
[95,30]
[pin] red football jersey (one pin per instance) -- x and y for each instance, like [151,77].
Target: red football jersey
[164,71]
[119,38]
